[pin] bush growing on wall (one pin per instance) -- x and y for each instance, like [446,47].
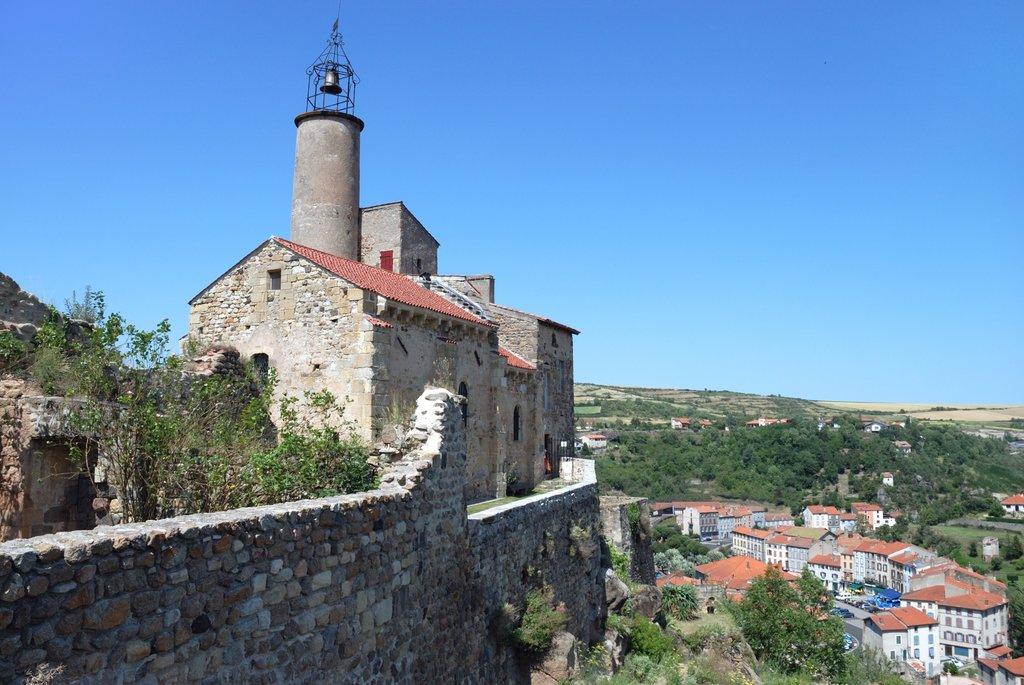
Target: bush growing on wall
[533,629]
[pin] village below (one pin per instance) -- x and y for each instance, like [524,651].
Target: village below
[909,527]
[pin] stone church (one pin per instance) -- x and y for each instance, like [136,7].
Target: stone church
[353,303]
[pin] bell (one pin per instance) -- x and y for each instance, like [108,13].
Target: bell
[331,86]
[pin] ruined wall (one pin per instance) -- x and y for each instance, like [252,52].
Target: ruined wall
[417,352]
[42,490]
[626,522]
[392,585]
[314,329]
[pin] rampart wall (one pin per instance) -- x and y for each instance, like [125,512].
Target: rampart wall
[392,585]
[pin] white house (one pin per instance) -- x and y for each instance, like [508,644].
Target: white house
[1013,505]
[875,426]
[820,516]
[970,619]
[595,441]
[905,635]
[887,479]
[828,568]
[681,422]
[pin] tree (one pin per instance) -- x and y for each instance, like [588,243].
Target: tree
[790,628]
[1015,599]
[972,549]
[1014,549]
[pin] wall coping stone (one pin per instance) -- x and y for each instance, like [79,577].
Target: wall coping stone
[587,479]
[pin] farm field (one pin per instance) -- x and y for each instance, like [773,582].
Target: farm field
[971,413]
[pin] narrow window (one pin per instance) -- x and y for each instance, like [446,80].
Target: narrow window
[261,365]
[419,265]
[387,260]
[275,279]
[554,340]
[516,425]
[464,391]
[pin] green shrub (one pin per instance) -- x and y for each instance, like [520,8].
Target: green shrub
[646,638]
[535,628]
[12,350]
[680,601]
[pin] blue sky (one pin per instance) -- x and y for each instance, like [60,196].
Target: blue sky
[815,199]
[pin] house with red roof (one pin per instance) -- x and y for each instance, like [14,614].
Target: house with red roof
[905,635]
[970,619]
[735,574]
[352,303]
[1001,671]
[828,568]
[681,422]
[1013,506]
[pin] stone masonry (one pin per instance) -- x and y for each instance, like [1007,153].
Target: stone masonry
[391,585]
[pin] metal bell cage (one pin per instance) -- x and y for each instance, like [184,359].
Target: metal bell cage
[332,81]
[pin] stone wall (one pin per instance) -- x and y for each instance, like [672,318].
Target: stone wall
[42,490]
[314,329]
[617,516]
[393,227]
[392,585]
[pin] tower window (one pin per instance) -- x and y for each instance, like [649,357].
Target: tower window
[419,265]
[274,276]
[554,340]
[464,391]
[516,425]
[387,260]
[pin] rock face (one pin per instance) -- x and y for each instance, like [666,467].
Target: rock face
[615,591]
[646,601]
[216,360]
[561,661]
[393,585]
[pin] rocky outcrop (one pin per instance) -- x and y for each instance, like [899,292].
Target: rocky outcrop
[21,312]
[561,662]
[626,524]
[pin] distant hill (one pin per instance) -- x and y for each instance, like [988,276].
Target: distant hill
[621,404]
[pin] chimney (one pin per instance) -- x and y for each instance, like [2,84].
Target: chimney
[325,187]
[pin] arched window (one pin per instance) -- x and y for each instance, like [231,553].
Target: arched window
[516,424]
[261,365]
[464,391]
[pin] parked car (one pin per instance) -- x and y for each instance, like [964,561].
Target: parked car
[953,660]
[842,613]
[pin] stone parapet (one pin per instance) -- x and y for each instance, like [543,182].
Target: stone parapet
[391,585]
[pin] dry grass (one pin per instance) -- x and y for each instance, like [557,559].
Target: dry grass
[974,413]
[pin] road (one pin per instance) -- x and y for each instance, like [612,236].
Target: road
[855,625]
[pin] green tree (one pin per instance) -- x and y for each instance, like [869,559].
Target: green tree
[972,549]
[1015,598]
[1014,549]
[790,628]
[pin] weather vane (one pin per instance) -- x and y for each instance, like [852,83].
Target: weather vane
[332,81]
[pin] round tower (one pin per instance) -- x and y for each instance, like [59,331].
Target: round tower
[325,187]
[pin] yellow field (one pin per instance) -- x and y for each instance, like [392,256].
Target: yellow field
[950,412]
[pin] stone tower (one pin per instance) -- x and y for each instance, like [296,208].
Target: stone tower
[325,189]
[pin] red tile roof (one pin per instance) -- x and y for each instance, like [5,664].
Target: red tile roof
[977,600]
[378,322]
[901,618]
[820,509]
[736,573]
[832,560]
[676,579]
[999,651]
[751,532]
[1014,499]
[912,617]
[387,283]
[1013,666]
[864,506]
[515,361]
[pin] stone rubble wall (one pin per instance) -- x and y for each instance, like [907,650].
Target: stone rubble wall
[629,538]
[391,585]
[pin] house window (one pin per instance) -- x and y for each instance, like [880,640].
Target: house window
[261,365]
[516,425]
[274,276]
[464,391]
